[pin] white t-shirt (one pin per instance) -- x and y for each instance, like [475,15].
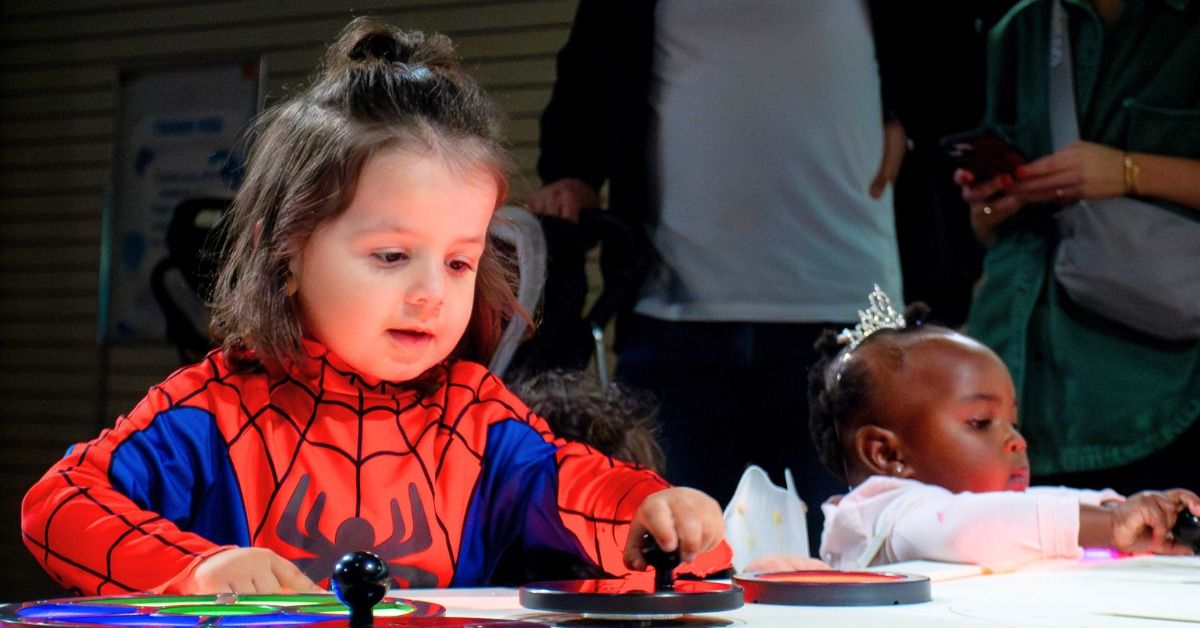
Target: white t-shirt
[887,520]
[768,131]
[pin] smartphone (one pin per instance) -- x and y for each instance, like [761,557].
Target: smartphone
[984,155]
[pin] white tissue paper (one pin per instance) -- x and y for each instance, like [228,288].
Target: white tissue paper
[763,519]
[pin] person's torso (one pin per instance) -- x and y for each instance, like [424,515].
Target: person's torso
[319,472]
[1134,78]
[768,131]
[1094,395]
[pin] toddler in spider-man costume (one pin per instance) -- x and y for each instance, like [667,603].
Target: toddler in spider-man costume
[344,410]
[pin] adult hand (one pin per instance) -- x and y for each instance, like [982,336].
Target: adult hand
[1081,170]
[678,518]
[1143,522]
[990,202]
[247,570]
[895,145]
[563,198]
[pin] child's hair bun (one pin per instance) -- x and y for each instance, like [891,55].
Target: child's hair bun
[827,343]
[367,42]
[381,46]
[916,314]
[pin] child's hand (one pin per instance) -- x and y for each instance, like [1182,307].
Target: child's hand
[247,570]
[783,562]
[678,518]
[1143,522]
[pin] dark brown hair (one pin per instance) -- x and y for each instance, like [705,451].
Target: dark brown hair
[618,420]
[378,87]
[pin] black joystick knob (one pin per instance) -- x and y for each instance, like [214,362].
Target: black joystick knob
[360,580]
[1187,530]
[664,563]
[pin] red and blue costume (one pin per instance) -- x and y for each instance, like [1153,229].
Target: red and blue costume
[314,462]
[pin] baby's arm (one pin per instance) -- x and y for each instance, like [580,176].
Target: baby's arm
[1000,531]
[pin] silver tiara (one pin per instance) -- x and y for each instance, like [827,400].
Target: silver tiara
[880,315]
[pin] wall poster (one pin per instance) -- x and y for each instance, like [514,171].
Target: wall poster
[181,139]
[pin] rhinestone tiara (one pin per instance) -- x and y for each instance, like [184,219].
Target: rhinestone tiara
[879,315]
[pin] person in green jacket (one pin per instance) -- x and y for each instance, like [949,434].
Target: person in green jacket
[1102,404]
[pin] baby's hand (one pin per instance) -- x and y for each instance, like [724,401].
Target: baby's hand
[247,570]
[678,518]
[783,562]
[1143,522]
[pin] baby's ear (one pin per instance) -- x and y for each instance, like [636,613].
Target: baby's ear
[877,450]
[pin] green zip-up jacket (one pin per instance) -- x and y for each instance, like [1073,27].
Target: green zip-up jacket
[1094,394]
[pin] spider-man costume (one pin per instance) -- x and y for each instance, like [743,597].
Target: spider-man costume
[314,462]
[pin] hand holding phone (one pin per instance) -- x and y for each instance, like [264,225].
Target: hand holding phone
[984,155]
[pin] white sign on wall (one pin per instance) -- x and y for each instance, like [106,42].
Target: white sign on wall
[181,137]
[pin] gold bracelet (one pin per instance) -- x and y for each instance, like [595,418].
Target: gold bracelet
[1133,173]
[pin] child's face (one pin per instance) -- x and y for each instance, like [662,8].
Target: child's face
[389,284]
[954,408]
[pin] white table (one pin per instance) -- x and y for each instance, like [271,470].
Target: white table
[1147,590]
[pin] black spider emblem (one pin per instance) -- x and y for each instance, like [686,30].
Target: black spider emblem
[356,534]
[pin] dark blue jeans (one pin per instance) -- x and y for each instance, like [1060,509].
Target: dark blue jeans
[731,394]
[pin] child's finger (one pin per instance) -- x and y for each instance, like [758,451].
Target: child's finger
[1174,548]
[1155,509]
[714,530]
[690,532]
[1184,498]
[265,583]
[654,517]
[633,548]
[1171,502]
[1159,513]
[659,521]
[242,585]
[698,522]
[713,535]
[290,577]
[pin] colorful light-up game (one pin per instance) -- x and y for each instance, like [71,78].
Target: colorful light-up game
[207,610]
[360,583]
